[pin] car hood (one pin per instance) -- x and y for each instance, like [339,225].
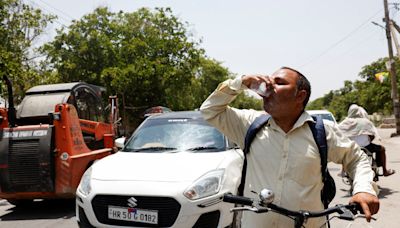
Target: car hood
[166,167]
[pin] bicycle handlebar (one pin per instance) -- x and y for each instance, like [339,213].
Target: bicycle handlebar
[238,199]
[346,212]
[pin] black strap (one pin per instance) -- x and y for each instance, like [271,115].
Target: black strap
[318,131]
[257,124]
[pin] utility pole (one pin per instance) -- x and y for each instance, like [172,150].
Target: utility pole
[394,35]
[392,70]
[395,26]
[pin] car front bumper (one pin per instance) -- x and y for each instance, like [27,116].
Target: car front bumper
[174,209]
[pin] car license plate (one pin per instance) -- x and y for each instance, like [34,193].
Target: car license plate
[133,214]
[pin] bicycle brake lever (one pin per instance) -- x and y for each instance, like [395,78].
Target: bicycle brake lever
[253,209]
[244,209]
[355,209]
[363,216]
[347,215]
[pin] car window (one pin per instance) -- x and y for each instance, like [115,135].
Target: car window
[326,117]
[160,135]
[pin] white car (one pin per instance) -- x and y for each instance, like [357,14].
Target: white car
[324,114]
[172,172]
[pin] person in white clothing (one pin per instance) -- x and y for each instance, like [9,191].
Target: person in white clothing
[284,156]
[359,128]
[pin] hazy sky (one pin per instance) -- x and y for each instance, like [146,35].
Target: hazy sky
[327,40]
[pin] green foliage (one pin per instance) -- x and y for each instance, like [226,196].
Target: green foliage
[21,26]
[371,94]
[209,74]
[146,56]
[244,101]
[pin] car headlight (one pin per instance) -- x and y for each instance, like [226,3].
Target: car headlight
[207,185]
[84,185]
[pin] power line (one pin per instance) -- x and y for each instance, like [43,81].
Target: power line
[358,44]
[341,40]
[62,12]
[51,12]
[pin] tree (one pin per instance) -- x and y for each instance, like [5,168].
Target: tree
[146,55]
[207,77]
[368,92]
[376,95]
[21,26]
[244,101]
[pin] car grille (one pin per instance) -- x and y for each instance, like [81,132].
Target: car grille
[208,220]
[168,209]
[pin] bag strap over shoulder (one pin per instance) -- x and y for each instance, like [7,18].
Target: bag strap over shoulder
[257,124]
[318,131]
[329,189]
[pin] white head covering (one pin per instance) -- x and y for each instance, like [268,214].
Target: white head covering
[357,123]
[356,111]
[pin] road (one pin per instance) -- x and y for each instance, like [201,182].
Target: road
[389,187]
[61,214]
[41,214]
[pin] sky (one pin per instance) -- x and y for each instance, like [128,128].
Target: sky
[329,41]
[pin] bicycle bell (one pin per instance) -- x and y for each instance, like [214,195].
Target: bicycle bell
[266,196]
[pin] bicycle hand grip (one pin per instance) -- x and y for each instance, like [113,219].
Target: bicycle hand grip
[356,208]
[228,197]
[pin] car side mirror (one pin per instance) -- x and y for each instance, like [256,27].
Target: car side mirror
[120,142]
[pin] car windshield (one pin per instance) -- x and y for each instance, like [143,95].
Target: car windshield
[174,135]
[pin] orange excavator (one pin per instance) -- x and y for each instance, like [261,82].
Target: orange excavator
[50,139]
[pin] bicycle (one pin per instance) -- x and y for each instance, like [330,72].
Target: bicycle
[265,204]
[346,179]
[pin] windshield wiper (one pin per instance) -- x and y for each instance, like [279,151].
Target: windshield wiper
[155,148]
[199,148]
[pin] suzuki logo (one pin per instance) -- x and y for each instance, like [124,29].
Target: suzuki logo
[132,202]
